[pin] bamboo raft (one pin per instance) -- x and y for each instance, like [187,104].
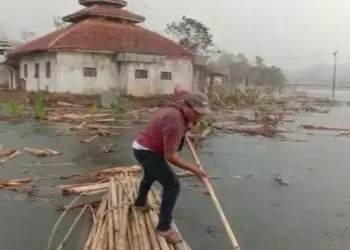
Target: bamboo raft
[116,224]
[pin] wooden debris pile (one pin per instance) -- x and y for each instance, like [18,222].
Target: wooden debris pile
[307,107]
[116,224]
[90,125]
[98,182]
[268,128]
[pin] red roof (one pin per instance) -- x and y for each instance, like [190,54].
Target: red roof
[103,36]
[104,11]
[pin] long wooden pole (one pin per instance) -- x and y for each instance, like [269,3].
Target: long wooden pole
[215,200]
[334,73]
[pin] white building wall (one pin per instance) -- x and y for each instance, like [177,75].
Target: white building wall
[70,72]
[42,82]
[67,74]
[181,69]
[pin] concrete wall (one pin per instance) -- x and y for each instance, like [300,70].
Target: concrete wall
[42,82]
[182,72]
[67,74]
[70,72]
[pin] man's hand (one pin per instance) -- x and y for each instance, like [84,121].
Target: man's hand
[174,158]
[200,173]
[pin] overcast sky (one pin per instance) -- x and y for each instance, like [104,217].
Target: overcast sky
[289,33]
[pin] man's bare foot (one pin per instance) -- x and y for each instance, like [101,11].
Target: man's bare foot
[172,236]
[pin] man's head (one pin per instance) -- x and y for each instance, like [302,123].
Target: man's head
[180,89]
[197,106]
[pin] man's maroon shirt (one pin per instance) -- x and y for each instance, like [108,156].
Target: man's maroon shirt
[164,131]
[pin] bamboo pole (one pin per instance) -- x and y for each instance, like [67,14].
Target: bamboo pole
[149,237]
[111,243]
[153,216]
[135,234]
[59,220]
[70,230]
[89,239]
[99,226]
[93,228]
[114,200]
[122,242]
[156,200]
[101,237]
[119,204]
[137,228]
[223,218]
[140,219]
[105,240]
[151,232]
[129,236]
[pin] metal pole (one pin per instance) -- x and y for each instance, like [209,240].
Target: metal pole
[334,73]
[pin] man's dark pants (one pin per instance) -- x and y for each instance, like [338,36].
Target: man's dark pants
[155,168]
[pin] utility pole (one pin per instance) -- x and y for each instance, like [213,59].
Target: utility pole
[334,73]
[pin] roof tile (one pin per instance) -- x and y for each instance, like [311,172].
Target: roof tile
[104,36]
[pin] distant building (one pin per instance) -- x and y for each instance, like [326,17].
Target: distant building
[7,74]
[103,49]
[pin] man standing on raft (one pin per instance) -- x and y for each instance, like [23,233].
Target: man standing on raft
[157,145]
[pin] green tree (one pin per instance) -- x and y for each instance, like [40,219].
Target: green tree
[194,35]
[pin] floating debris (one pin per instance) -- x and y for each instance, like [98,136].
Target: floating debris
[41,152]
[323,128]
[9,155]
[279,180]
[108,149]
[90,139]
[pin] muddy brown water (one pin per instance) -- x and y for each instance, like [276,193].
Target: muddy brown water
[313,213]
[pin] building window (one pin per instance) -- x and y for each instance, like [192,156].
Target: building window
[25,69]
[36,70]
[89,72]
[48,69]
[165,75]
[141,73]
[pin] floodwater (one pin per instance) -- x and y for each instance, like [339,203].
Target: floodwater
[313,213]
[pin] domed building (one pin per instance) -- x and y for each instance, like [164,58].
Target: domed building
[103,49]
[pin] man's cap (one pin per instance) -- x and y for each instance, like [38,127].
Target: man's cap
[199,102]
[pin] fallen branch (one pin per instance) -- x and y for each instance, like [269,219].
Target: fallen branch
[90,139]
[91,203]
[70,230]
[66,104]
[9,157]
[105,127]
[6,152]
[41,152]
[324,128]
[14,182]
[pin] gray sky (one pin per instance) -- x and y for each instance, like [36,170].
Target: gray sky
[289,33]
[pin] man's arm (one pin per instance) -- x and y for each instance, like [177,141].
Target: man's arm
[172,135]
